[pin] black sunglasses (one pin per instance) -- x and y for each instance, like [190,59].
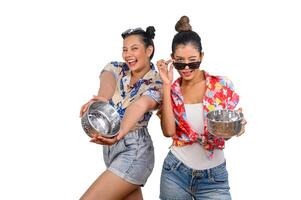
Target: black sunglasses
[131,31]
[192,65]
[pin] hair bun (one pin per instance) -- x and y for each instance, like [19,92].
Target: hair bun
[183,24]
[150,31]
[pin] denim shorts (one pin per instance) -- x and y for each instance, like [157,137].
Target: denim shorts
[131,158]
[179,182]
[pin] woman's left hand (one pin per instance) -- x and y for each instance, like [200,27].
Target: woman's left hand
[244,122]
[98,139]
[165,73]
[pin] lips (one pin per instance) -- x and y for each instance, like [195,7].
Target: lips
[131,62]
[187,73]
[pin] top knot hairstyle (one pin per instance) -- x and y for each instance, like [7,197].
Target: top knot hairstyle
[150,31]
[185,35]
[146,36]
[183,25]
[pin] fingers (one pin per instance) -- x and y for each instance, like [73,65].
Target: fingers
[83,109]
[120,135]
[171,67]
[163,62]
[98,139]
[99,98]
[244,122]
[160,62]
[241,132]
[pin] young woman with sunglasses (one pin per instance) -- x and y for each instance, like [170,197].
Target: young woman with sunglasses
[132,87]
[195,167]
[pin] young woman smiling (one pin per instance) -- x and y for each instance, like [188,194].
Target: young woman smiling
[132,87]
[195,167]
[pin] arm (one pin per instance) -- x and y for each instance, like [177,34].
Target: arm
[134,113]
[107,85]
[106,90]
[168,124]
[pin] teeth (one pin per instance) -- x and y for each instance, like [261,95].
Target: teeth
[131,61]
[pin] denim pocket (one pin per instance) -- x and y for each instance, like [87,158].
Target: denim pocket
[220,174]
[169,164]
[130,142]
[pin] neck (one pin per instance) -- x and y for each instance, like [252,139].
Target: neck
[137,74]
[196,79]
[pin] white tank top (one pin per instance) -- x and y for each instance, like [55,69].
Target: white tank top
[194,156]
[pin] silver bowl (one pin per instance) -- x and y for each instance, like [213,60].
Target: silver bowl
[224,123]
[101,118]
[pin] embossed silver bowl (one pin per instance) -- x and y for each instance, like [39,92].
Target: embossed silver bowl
[224,123]
[101,118]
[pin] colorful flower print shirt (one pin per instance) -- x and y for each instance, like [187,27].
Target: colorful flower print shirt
[219,94]
[125,94]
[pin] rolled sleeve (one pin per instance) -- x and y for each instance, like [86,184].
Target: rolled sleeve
[113,67]
[155,89]
[154,93]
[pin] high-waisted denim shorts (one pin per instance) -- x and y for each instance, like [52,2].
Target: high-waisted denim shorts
[131,158]
[179,182]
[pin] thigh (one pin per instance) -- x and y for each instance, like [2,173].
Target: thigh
[170,190]
[213,194]
[110,187]
[173,184]
[135,195]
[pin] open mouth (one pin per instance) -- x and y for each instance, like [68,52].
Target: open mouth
[132,62]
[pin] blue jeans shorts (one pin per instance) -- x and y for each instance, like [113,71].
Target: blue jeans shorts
[131,158]
[179,182]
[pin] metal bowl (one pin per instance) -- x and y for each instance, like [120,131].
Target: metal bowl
[101,118]
[224,123]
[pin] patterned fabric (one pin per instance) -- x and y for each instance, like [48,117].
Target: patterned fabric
[219,95]
[125,94]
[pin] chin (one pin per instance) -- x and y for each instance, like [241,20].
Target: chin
[187,78]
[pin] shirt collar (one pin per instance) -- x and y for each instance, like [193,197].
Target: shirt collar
[127,74]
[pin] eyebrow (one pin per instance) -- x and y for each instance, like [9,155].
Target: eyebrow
[188,57]
[134,45]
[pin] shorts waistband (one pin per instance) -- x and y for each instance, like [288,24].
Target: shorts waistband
[141,132]
[178,164]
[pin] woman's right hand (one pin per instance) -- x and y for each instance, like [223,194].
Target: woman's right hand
[165,73]
[85,107]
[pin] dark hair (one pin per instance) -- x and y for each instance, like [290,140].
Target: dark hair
[185,35]
[146,36]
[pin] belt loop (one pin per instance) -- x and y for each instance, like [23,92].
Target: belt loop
[209,173]
[177,165]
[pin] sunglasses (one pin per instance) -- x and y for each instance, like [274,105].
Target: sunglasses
[131,31]
[192,65]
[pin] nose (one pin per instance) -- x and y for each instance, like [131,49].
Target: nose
[128,53]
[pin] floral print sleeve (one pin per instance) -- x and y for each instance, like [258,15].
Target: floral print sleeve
[232,96]
[125,94]
[154,90]
[113,67]
[219,94]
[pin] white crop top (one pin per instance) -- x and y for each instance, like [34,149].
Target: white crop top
[194,156]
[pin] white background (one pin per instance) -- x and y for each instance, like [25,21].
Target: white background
[51,53]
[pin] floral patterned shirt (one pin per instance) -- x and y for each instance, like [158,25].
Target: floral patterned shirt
[125,94]
[219,94]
